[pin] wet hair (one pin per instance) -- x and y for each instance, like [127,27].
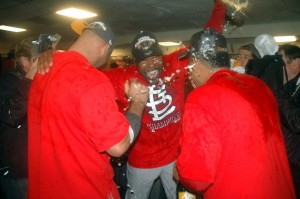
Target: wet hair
[210,47]
[250,47]
[24,48]
[11,54]
[290,51]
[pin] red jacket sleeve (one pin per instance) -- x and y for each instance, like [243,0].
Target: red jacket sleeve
[217,18]
[194,184]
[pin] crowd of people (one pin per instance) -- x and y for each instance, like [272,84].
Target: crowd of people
[91,133]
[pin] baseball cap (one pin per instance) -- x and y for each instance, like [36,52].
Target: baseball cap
[98,27]
[266,45]
[210,46]
[145,45]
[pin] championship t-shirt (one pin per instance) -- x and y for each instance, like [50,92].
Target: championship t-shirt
[158,141]
[73,120]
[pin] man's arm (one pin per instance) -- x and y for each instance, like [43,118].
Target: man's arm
[189,183]
[137,93]
[217,18]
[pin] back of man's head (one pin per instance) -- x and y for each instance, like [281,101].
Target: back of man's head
[88,44]
[99,28]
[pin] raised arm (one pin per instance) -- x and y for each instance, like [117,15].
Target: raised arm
[217,18]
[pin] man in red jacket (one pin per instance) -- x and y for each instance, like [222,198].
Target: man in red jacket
[74,122]
[231,145]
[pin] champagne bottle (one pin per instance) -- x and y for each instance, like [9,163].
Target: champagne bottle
[183,193]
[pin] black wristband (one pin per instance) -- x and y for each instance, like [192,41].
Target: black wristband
[135,124]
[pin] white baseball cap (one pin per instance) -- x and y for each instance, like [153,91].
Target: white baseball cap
[266,45]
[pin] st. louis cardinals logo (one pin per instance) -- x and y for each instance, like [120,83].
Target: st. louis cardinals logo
[160,103]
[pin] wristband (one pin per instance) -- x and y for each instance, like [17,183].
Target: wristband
[135,125]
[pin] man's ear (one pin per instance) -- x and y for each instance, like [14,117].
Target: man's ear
[105,49]
[298,62]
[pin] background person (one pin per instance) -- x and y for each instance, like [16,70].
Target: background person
[246,53]
[279,69]
[14,89]
[270,68]
[9,63]
[288,99]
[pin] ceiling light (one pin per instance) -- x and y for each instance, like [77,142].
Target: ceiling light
[169,43]
[76,13]
[285,39]
[12,29]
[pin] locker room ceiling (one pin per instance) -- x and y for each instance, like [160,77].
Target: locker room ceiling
[127,17]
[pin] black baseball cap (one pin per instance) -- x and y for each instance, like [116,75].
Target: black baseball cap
[98,27]
[145,45]
[211,46]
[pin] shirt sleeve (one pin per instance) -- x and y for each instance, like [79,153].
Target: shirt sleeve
[200,145]
[178,65]
[118,77]
[103,122]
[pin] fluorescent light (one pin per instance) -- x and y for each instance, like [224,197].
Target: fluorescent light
[169,43]
[12,29]
[285,39]
[76,13]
